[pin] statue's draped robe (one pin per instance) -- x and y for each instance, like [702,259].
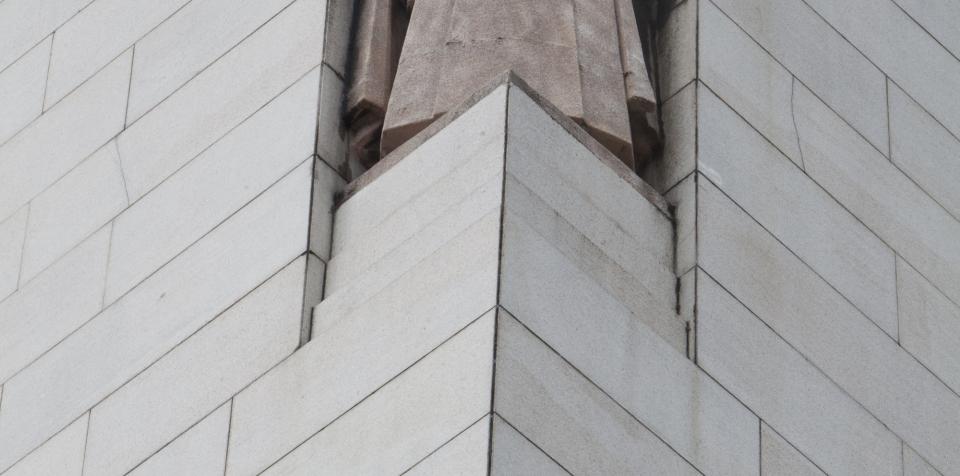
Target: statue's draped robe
[584,56]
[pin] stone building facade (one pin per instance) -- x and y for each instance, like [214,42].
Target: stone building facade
[195,278]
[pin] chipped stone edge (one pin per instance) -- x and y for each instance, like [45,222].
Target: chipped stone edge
[510,78]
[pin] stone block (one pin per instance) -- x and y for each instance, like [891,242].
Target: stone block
[12,231]
[684,199]
[677,49]
[779,458]
[915,465]
[337,35]
[49,147]
[938,18]
[777,383]
[155,316]
[223,178]
[198,451]
[820,58]
[744,76]
[24,23]
[198,375]
[929,325]
[513,453]
[52,306]
[924,150]
[440,395]
[911,58]
[464,455]
[187,42]
[327,185]
[679,114]
[585,431]
[61,455]
[82,201]
[21,89]
[358,346]
[826,329]
[881,196]
[96,35]
[222,96]
[799,213]
[331,135]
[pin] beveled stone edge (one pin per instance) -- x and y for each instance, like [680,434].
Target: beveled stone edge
[510,78]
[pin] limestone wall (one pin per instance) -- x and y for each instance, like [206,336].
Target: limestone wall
[813,155]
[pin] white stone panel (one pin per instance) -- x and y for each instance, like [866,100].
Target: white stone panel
[677,49]
[747,78]
[819,57]
[52,145]
[195,377]
[929,325]
[938,17]
[465,455]
[12,232]
[61,455]
[567,416]
[911,58]
[358,346]
[679,115]
[221,96]
[924,150]
[784,389]
[872,188]
[199,451]
[79,203]
[24,23]
[184,44]
[914,464]
[649,377]
[21,89]
[207,190]
[97,35]
[331,135]
[791,206]
[513,453]
[683,197]
[53,305]
[779,458]
[479,128]
[827,330]
[327,184]
[155,316]
[443,393]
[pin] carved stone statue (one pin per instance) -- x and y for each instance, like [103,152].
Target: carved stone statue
[412,63]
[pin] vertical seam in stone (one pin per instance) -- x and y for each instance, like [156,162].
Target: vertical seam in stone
[106,272]
[896,291]
[23,248]
[126,109]
[886,90]
[226,454]
[86,442]
[525,437]
[123,176]
[793,115]
[760,446]
[696,181]
[46,81]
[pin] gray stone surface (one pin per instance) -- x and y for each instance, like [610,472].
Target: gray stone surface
[819,57]
[96,35]
[677,50]
[929,325]
[798,212]
[53,305]
[198,451]
[218,361]
[219,98]
[180,47]
[882,197]
[464,455]
[779,458]
[65,135]
[822,326]
[18,36]
[440,395]
[679,142]
[585,431]
[915,465]
[331,135]
[158,314]
[925,150]
[12,232]
[743,75]
[75,206]
[60,455]
[513,453]
[683,198]
[785,390]
[224,178]
[938,17]
[21,89]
